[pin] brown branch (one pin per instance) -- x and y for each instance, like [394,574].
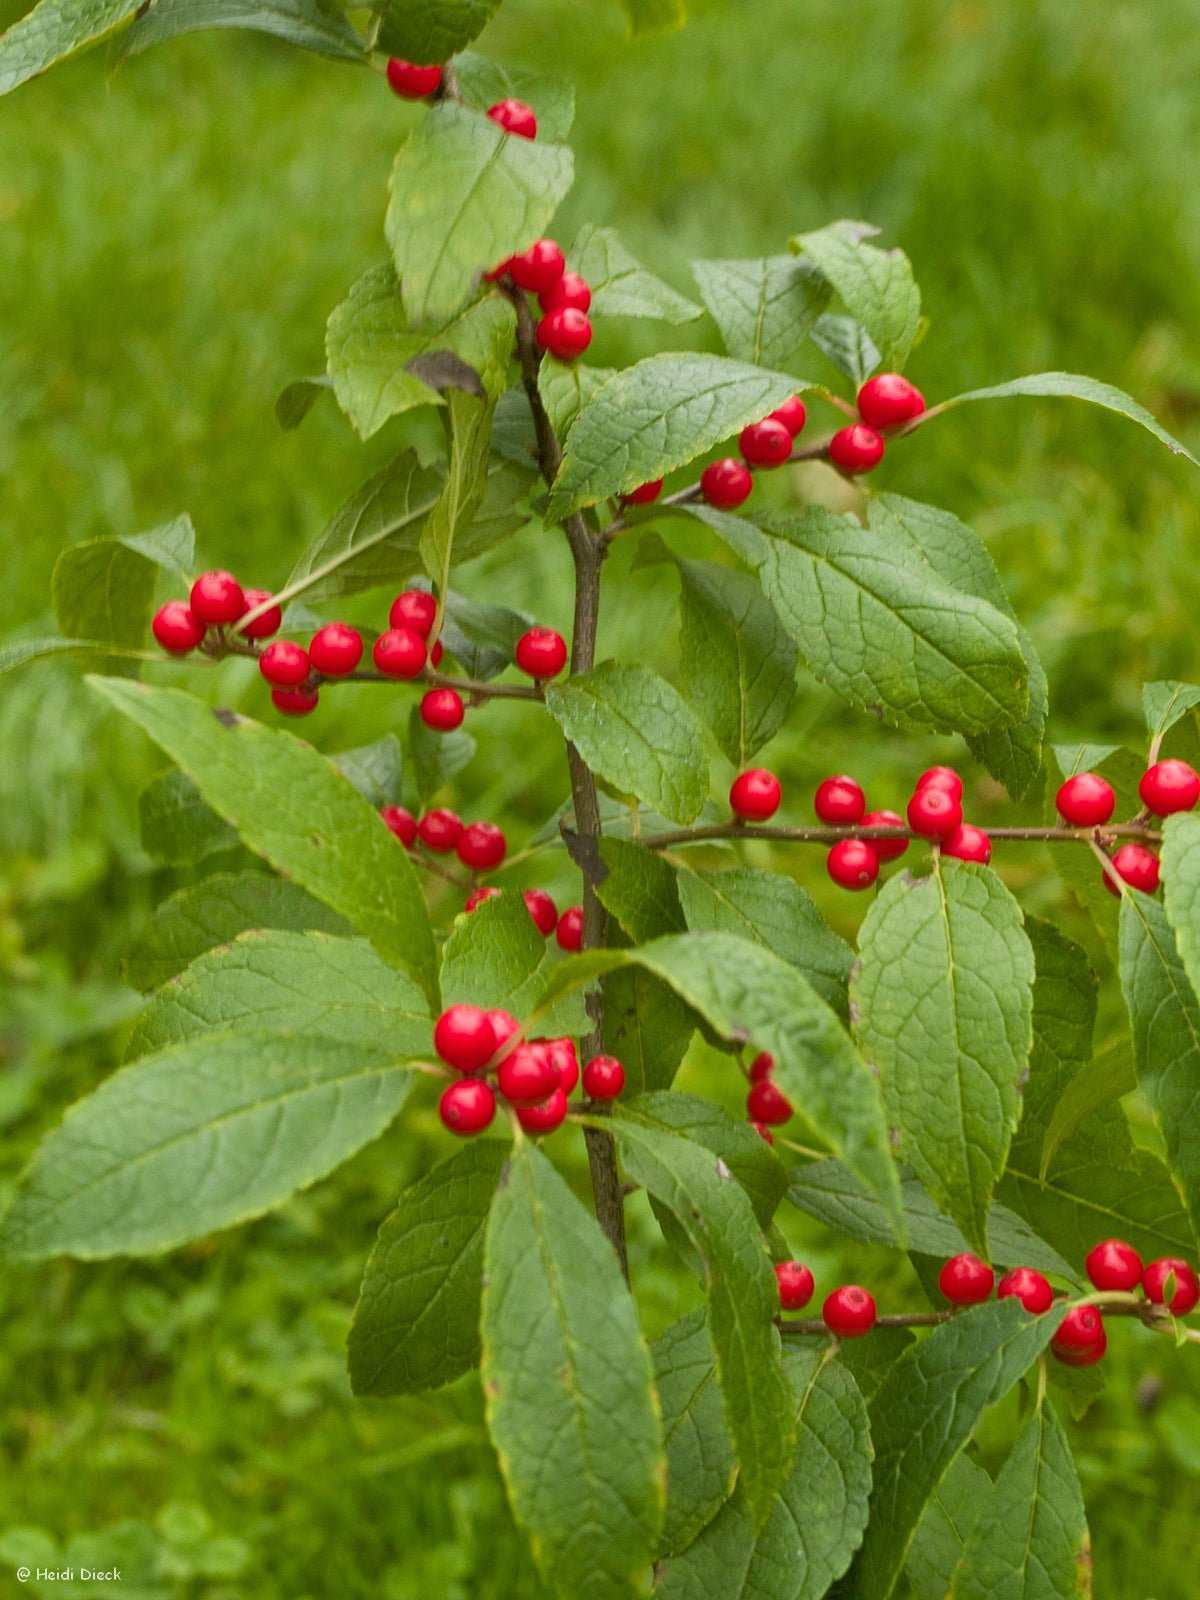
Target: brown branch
[1152,1316]
[473,688]
[744,830]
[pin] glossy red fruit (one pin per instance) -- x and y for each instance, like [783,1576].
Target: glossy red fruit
[839,801]
[1136,866]
[504,1025]
[335,649]
[1187,1285]
[603,1078]
[766,444]
[436,653]
[1029,1287]
[1113,1264]
[401,822]
[539,268]
[284,663]
[792,414]
[467,1107]
[1083,1358]
[481,846]
[295,702]
[856,449]
[565,334]
[176,629]
[1169,786]
[940,778]
[543,911]
[762,1066]
[566,1061]
[570,293]
[1081,1328]
[934,813]
[439,830]
[965,1280]
[763,1132]
[886,849]
[755,795]
[415,609]
[795,1285]
[464,1038]
[413,82]
[544,1118]
[644,495]
[216,599]
[514,116]
[442,710]
[400,652]
[541,653]
[477,896]
[849,1311]
[527,1074]
[887,400]
[968,844]
[1086,801]
[267,622]
[852,864]
[569,932]
[726,483]
[767,1103]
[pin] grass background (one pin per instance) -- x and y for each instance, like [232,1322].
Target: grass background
[171,241]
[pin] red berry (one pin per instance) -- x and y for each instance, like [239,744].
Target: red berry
[543,911]
[295,702]
[176,629]
[570,293]
[436,653]
[1187,1285]
[965,1280]
[565,334]
[442,710]
[1029,1287]
[856,449]
[1169,786]
[763,1132]
[504,1026]
[726,483]
[401,822]
[284,663]
[541,653]
[934,813]
[570,929]
[216,599]
[439,830]
[514,116]
[1086,801]
[477,896]
[481,846]
[792,414]
[1083,1358]
[768,1103]
[464,1038]
[539,268]
[1113,1264]
[852,864]
[886,849]
[755,795]
[415,609]
[888,400]
[547,1116]
[1136,866]
[839,800]
[795,1285]
[400,652]
[1078,1330]
[644,495]
[498,272]
[941,778]
[467,1107]
[849,1312]
[527,1074]
[762,1066]
[335,649]
[562,1054]
[603,1078]
[413,82]
[766,444]
[267,622]
[968,844]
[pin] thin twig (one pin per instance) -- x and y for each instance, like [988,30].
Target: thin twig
[744,830]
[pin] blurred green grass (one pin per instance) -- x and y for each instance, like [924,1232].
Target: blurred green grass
[171,241]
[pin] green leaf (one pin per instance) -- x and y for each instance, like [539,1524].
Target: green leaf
[639,890]
[304,983]
[739,664]
[470,422]
[465,195]
[1181,878]
[1165,1017]
[876,286]
[481,638]
[103,590]
[171,546]
[950,1518]
[924,1413]
[817,1518]
[846,345]
[653,16]
[436,757]
[305,23]
[646,1026]
[621,286]
[1166,703]
[566,387]
[293,808]
[942,1000]
[701,1467]
[416,1325]
[211,1132]
[482,82]
[491,956]
[1109,1077]
[1031,1536]
[765,308]
[658,415]
[750,1159]
[428,32]
[568,1383]
[22,651]
[296,399]
[716,1214]
[53,30]
[380,366]
[637,734]
[177,825]
[375,769]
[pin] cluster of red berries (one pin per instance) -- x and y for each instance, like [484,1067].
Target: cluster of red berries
[567,929]
[728,482]
[564,297]
[412,81]
[1087,801]
[534,1076]
[848,1312]
[766,1104]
